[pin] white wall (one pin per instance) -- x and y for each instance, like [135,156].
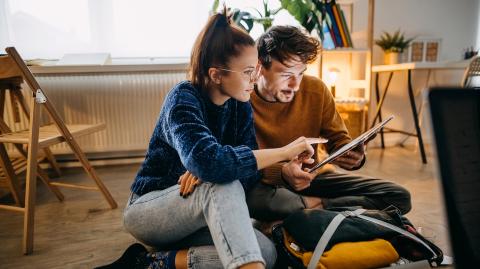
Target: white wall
[478,24]
[455,22]
[3,22]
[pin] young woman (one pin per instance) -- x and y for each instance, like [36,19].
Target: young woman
[205,140]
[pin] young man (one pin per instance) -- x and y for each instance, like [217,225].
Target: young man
[289,104]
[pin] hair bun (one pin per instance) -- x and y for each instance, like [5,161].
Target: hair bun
[222,21]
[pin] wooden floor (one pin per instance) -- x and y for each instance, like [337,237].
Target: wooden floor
[83,232]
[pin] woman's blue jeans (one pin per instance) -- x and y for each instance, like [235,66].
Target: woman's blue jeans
[215,213]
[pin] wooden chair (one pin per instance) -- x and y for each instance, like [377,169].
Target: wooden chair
[13,166]
[39,137]
[473,70]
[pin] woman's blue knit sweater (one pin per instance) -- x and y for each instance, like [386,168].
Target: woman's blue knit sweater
[213,142]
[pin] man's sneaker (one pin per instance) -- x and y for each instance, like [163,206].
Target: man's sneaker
[135,257]
[265,227]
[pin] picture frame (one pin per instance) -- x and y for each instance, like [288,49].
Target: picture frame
[423,50]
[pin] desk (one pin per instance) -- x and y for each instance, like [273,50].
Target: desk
[391,69]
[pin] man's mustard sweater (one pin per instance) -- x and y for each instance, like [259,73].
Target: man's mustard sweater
[311,113]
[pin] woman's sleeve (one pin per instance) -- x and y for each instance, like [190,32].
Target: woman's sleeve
[199,150]
[247,137]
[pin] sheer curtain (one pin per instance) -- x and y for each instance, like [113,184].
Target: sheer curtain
[123,28]
[141,28]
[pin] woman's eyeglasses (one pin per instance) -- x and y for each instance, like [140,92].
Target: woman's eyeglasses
[251,74]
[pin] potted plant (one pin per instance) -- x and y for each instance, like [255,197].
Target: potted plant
[392,45]
[246,20]
[266,18]
[307,12]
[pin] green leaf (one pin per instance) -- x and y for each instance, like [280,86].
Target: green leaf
[243,19]
[215,6]
[258,11]
[275,11]
[389,37]
[266,9]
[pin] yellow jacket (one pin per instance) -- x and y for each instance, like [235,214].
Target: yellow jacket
[350,255]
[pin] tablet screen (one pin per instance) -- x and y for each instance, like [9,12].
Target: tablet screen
[353,144]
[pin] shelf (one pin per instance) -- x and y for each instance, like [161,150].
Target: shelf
[351,100]
[346,2]
[354,64]
[420,65]
[40,66]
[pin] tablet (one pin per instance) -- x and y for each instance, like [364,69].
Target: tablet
[353,144]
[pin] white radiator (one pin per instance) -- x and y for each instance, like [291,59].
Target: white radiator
[129,103]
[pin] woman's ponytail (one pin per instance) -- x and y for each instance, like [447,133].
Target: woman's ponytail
[218,41]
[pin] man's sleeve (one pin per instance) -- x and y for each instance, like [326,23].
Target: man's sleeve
[272,175]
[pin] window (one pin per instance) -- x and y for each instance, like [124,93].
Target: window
[123,28]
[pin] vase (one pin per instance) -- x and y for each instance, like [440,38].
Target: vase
[391,58]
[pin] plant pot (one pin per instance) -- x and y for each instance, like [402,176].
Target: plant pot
[391,58]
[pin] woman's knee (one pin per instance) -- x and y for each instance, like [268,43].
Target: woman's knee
[267,248]
[133,226]
[231,190]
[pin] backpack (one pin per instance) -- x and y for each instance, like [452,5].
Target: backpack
[317,231]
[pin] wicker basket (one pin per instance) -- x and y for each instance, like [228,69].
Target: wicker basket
[355,117]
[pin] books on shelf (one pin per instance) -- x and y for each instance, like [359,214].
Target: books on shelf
[347,31]
[335,28]
[328,42]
